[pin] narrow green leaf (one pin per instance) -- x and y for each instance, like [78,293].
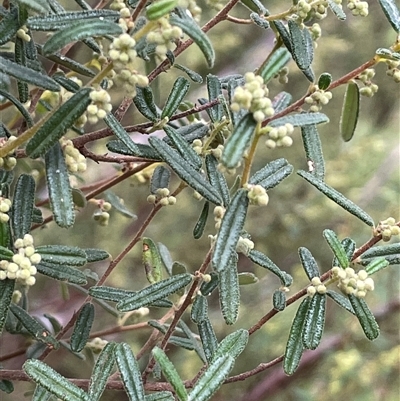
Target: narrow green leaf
[313,149]
[337,248]
[365,317]
[41,394]
[130,372]
[175,97]
[217,179]
[256,6]
[259,21]
[284,34]
[341,300]
[376,264]
[281,101]
[337,197]
[82,327]
[233,344]
[194,76]
[246,278]
[62,272]
[95,255]
[275,63]
[208,338]
[39,6]
[28,75]
[6,386]
[118,204]
[279,300]
[56,126]
[5,253]
[184,171]
[349,246]
[120,133]
[62,254]
[60,193]
[22,208]
[383,250]
[199,310]
[300,119]
[154,292]
[144,151]
[160,396]
[160,8]
[6,291]
[302,51]
[19,106]
[212,379]
[294,346]
[159,179]
[21,59]
[33,326]
[183,147]
[350,111]
[55,22]
[9,26]
[392,13]
[262,260]
[214,90]
[144,102]
[194,32]
[198,229]
[80,30]
[229,232]
[309,263]
[324,80]
[101,372]
[337,10]
[170,373]
[151,261]
[238,141]
[53,382]
[314,321]
[272,174]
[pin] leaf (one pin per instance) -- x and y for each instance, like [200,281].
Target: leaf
[6,292]
[7,386]
[62,272]
[349,246]
[229,232]
[170,373]
[314,321]
[194,32]
[39,6]
[183,147]
[151,261]
[233,344]
[238,141]
[294,346]
[384,250]
[185,171]
[324,80]
[376,264]
[41,394]
[279,300]
[95,255]
[271,174]
[55,22]
[284,34]
[214,90]
[392,13]
[118,204]
[177,94]
[144,151]
[194,76]
[144,102]
[337,197]
[199,312]
[160,8]
[259,21]
[80,30]
[159,179]
[300,119]
[130,372]
[309,263]
[302,49]
[212,379]
[28,75]
[337,248]
[255,5]
[20,58]
[313,149]
[217,179]
[341,300]
[281,101]
[160,396]
[9,26]
[201,222]
[22,208]
[62,254]
[337,10]
[19,106]
[56,126]
[82,328]
[208,338]
[154,292]
[246,278]
[350,111]
[60,192]
[365,317]
[262,260]
[33,326]
[53,382]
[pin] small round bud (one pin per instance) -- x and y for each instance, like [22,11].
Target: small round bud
[316,281]
[311,290]
[321,289]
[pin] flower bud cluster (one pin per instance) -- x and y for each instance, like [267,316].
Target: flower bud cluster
[102,216]
[282,75]
[164,37]
[253,96]
[22,34]
[7,162]
[74,160]
[358,7]
[192,7]
[162,197]
[257,195]
[5,206]
[197,145]
[317,98]
[244,245]
[387,228]
[370,88]
[315,31]
[22,265]
[393,70]
[351,282]
[279,136]
[96,345]
[100,107]
[316,286]
[219,212]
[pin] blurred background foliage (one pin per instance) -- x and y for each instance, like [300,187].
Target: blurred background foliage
[366,170]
